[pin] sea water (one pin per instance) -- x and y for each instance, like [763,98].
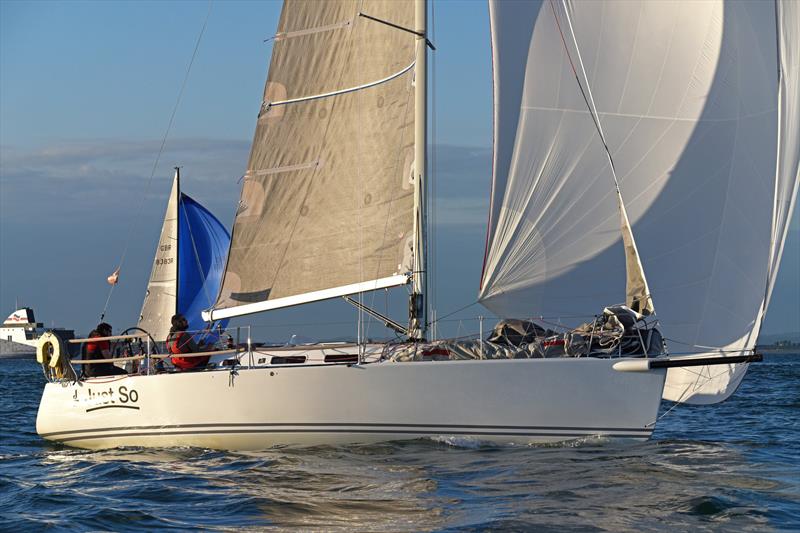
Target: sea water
[732,467]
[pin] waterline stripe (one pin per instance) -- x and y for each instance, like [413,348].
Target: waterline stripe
[351,425]
[638,433]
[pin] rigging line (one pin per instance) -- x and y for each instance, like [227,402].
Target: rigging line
[432,244]
[674,405]
[108,299]
[398,168]
[398,27]
[160,149]
[268,105]
[361,333]
[440,319]
[587,97]
[715,348]
[686,391]
[399,160]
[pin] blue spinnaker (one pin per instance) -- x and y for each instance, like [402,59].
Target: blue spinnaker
[202,250]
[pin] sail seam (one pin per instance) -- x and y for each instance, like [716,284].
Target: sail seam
[268,105]
[652,117]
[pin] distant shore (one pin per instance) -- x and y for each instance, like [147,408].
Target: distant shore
[779,348]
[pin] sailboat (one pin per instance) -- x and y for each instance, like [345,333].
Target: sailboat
[655,137]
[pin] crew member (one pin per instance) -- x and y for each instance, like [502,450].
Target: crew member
[100,350]
[179,341]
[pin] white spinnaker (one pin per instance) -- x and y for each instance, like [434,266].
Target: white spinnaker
[687,95]
[555,245]
[704,385]
[788,172]
[160,299]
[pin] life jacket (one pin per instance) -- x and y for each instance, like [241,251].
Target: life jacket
[175,346]
[95,349]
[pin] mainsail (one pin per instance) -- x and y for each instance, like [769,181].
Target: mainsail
[694,108]
[327,203]
[188,265]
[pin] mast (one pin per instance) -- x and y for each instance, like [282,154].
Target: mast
[419,282]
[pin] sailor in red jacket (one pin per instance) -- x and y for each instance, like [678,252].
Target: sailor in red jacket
[179,341]
[100,349]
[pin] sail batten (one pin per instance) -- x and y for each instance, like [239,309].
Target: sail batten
[327,199]
[267,105]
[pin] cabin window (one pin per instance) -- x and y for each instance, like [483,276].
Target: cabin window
[290,360]
[341,358]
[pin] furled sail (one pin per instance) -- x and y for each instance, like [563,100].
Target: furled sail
[694,113]
[188,266]
[327,201]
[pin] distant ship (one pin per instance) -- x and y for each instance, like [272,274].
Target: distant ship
[20,333]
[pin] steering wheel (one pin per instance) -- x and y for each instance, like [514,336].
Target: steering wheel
[153,343]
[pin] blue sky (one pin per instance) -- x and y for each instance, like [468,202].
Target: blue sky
[86,91]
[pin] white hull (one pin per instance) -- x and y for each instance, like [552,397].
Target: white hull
[503,401]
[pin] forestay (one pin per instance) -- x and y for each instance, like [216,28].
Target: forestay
[327,200]
[695,115]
